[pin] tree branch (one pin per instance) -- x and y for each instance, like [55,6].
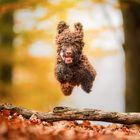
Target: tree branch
[71,114]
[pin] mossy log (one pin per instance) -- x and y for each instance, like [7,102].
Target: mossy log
[72,114]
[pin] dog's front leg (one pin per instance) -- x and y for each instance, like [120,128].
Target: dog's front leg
[86,80]
[67,88]
[59,73]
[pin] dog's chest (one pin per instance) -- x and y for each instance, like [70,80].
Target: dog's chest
[72,74]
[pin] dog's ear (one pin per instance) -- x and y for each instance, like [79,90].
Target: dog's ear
[61,27]
[78,27]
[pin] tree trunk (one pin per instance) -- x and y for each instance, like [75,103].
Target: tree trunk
[131,19]
[6,47]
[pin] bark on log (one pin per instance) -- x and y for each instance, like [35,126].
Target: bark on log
[72,114]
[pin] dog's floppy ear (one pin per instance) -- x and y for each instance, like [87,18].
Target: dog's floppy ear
[78,27]
[61,27]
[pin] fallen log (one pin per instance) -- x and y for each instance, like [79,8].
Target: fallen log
[72,114]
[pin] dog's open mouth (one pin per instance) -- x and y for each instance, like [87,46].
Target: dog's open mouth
[68,59]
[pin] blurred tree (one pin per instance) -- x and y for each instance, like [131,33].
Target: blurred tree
[131,19]
[6,49]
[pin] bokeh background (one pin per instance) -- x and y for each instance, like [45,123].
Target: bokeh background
[28,52]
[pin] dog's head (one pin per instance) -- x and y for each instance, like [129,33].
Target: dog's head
[70,44]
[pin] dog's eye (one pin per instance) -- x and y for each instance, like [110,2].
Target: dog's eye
[63,47]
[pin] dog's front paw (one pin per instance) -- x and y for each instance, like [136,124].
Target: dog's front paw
[86,86]
[66,89]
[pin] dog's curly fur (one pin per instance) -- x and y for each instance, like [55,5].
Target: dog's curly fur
[74,69]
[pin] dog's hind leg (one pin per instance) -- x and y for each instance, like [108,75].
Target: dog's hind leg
[67,88]
[86,81]
[86,85]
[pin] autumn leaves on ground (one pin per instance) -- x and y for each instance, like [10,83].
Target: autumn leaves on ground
[16,127]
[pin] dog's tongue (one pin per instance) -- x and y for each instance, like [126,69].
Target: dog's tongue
[68,60]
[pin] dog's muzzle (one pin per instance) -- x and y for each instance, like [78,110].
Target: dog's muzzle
[67,57]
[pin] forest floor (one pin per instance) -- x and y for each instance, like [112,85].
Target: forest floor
[16,127]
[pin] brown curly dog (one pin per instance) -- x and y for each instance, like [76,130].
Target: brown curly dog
[72,66]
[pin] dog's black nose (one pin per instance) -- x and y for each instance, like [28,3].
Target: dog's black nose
[68,53]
